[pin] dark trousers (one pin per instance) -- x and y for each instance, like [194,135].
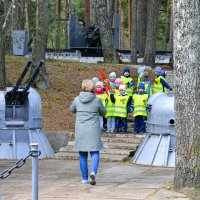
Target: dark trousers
[140,124]
[121,122]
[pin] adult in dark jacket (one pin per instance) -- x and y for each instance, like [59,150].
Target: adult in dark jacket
[88,108]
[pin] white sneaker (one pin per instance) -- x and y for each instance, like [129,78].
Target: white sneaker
[92,179]
[84,181]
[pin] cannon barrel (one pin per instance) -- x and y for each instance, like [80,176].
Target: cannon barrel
[10,96]
[21,96]
[18,94]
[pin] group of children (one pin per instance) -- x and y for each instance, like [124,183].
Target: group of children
[120,99]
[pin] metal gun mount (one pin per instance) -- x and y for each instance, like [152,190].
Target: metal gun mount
[18,94]
[21,119]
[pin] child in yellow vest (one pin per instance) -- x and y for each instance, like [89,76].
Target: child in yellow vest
[121,108]
[160,84]
[140,114]
[112,77]
[147,83]
[110,110]
[118,82]
[140,73]
[101,95]
[128,81]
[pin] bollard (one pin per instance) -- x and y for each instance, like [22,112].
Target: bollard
[34,148]
[0,192]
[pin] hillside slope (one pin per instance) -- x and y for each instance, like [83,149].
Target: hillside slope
[65,78]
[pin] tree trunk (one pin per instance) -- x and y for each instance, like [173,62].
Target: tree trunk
[111,11]
[171,27]
[117,6]
[2,48]
[18,20]
[67,23]
[141,26]
[95,9]
[166,34]
[26,26]
[40,42]
[22,14]
[109,52]
[87,13]
[134,33]
[150,48]
[8,26]
[187,87]
[58,5]
[129,21]
[121,27]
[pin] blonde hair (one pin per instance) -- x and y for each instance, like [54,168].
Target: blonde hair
[88,85]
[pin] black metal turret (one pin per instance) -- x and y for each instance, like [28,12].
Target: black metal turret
[18,94]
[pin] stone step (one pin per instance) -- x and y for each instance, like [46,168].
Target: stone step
[110,145]
[103,157]
[130,119]
[104,150]
[134,140]
[126,138]
[117,145]
[118,151]
[129,135]
[130,124]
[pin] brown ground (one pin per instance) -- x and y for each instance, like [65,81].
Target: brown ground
[65,78]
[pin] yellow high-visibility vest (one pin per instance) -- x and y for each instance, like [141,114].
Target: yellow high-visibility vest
[146,85]
[110,108]
[121,106]
[140,102]
[126,81]
[158,87]
[139,78]
[116,92]
[103,98]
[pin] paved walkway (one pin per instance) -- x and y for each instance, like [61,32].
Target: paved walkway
[60,180]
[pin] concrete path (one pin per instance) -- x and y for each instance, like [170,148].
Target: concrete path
[61,180]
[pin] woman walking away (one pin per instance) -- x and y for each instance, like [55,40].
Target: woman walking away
[88,108]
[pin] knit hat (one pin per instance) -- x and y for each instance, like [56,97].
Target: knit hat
[141,69]
[99,83]
[158,69]
[141,86]
[112,85]
[122,87]
[113,74]
[118,81]
[127,69]
[88,86]
[145,74]
[95,79]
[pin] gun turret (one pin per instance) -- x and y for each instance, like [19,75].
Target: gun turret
[18,94]
[10,96]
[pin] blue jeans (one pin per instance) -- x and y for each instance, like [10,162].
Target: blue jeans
[121,121]
[83,158]
[101,121]
[111,124]
[140,124]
